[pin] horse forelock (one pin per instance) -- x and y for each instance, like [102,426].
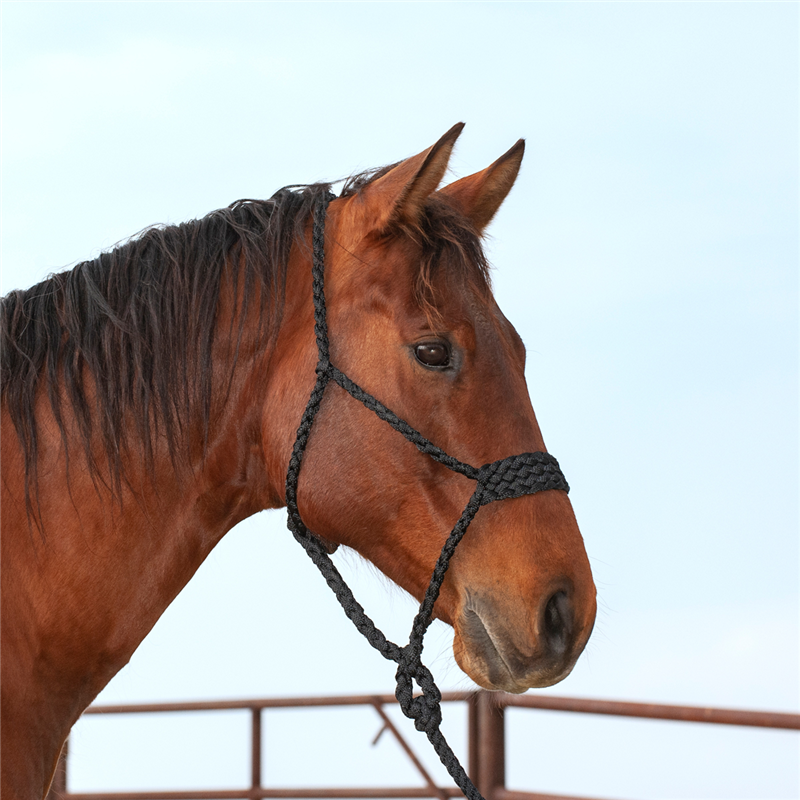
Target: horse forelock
[452,260]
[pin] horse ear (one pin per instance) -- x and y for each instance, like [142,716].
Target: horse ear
[479,196]
[400,194]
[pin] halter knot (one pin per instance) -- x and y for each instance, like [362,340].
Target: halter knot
[425,709]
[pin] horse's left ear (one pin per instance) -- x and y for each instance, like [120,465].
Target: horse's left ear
[479,196]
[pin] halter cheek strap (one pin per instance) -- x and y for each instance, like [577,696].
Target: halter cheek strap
[510,477]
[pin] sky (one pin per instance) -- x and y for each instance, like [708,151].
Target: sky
[648,257]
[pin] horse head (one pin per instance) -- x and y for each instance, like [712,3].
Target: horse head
[412,320]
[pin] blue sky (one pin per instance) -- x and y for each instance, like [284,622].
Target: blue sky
[648,256]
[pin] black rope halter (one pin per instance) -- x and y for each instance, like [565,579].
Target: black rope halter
[514,476]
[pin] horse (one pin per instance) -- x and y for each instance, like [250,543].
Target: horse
[151,396]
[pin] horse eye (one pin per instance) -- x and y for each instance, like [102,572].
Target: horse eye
[433,354]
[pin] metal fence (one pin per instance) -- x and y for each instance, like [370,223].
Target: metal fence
[486,757]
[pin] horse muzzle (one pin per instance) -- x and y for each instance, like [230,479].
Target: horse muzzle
[502,650]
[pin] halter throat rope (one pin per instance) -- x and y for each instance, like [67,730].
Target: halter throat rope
[510,477]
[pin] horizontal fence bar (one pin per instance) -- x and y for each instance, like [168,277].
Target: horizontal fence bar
[546,702]
[716,716]
[510,794]
[262,794]
[268,702]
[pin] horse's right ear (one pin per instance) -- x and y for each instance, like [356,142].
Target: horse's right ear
[400,194]
[479,196]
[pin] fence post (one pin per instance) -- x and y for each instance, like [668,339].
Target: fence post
[487,748]
[58,788]
[255,748]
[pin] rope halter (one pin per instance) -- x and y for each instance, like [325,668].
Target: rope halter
[507,478]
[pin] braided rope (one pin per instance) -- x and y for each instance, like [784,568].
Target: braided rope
[515,476]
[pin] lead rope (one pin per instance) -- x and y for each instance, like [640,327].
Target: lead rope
[515,476]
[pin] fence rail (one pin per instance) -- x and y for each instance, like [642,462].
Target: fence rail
[486,741]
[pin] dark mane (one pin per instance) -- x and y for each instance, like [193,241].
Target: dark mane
[125,340]
[127,337]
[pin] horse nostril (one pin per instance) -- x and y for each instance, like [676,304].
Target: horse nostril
[558,621]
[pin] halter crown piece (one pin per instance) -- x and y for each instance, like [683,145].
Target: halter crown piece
[510,477]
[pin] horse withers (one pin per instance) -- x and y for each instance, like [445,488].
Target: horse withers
[151,398]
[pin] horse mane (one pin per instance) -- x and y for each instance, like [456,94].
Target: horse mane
[125,340]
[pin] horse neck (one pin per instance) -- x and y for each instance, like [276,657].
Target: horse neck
[85,585]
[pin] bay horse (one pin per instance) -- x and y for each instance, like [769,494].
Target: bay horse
[150,400]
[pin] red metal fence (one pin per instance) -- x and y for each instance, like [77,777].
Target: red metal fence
[486,742]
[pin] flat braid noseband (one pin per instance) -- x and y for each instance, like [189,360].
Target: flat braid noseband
[510,477]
